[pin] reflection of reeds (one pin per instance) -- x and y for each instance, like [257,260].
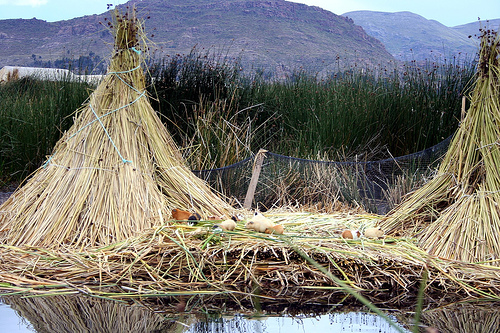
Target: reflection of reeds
[78,313]
[470,318]
[85,314]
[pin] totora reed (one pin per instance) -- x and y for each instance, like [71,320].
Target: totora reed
[115,173]
[456,214]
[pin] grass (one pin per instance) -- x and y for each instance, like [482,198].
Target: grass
[361,112]
[401,110]
[33,115]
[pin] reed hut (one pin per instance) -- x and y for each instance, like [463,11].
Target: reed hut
[115,172]
[456,215]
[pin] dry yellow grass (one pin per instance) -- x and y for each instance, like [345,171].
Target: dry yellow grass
[177,258]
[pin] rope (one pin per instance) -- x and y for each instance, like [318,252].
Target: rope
[141,94]
[107,114]
[127,71]
[109,137]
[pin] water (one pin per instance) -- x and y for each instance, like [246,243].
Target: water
[11,322]
[104,321]
[202,314]
[339,322]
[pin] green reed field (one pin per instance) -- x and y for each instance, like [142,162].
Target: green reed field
[33,114]
[218,115]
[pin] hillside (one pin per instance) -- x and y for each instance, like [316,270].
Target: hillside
[409,36]
[274,34]
[471,29]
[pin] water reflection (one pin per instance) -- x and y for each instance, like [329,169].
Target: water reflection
[11,322]
[465,318]
[335,322]
[193,314]
[73,313]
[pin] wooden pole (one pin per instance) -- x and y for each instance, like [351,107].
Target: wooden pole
[463,108]
[257,166]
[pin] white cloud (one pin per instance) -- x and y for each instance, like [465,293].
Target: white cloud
[31,3]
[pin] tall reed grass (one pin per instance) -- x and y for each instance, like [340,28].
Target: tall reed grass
[402,110]
[33,114]
[219,115]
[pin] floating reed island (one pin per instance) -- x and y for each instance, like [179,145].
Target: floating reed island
[97,219]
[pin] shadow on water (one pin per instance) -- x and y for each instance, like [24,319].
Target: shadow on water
[210,314]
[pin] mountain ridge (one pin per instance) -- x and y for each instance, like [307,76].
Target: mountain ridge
[264,33]
[276,35]
[409,36]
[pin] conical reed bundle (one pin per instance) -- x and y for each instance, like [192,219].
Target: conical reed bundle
[115,172]
[456,214]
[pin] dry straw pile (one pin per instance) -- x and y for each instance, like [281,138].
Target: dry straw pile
[456,214]
[115,173]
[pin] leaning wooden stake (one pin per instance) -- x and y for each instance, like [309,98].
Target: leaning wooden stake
[257,166]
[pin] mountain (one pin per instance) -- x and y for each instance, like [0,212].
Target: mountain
[471,29]
[408,36]
[273,34]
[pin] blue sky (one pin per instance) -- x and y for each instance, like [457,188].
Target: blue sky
[448,12]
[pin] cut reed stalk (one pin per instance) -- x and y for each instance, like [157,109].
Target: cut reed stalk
[165,260]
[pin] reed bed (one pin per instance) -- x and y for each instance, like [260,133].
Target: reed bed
[455,215]
[369,111]
[33,113]
[364,112]
[175,258]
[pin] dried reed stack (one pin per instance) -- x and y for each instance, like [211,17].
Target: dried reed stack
[456,214]
[115,172]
